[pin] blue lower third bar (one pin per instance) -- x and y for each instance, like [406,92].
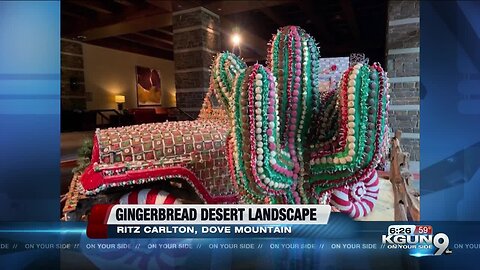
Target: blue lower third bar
[213,231]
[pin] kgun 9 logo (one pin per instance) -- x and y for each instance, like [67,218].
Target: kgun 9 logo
[404,241]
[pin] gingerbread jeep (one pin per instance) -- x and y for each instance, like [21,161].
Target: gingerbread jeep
[274,138]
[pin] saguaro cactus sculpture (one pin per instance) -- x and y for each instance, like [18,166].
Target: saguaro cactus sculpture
[290,143]
[276,139]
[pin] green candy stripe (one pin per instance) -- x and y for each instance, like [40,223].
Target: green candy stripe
[230,79]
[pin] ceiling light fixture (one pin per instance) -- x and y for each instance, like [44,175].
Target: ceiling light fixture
[236,39]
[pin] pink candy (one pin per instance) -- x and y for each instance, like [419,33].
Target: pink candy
[297,199]
[271,146]
[279,169]
[296,167]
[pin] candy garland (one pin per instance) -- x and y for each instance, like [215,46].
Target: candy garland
[360,127]
[259,97]
[289,142]
[225,68]
[351,101]
[364,174]
[238,131]
[293,56]
[294,128]
[271,168]
[358,199]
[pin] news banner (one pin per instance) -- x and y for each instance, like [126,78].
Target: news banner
[258,227]
[222,236]
[203,220]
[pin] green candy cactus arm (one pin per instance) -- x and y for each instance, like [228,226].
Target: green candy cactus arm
[362,108]
[293,58]
[351,148]
[278,152]
[251,102]
[226,66]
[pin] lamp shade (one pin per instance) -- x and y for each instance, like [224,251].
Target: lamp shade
[119,99]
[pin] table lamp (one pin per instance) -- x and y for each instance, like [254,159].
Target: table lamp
[119,99]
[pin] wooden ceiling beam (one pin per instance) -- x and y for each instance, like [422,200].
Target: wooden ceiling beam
[178,5]
[167,30]
[68,7]
[159,35]
[165,5]
[124,2]
[140,13]
[148,41]
[104,7]
[127,27]
[125,45]
[72,14]
[233,7]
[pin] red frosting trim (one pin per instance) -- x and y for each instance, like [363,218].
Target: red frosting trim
[92,180]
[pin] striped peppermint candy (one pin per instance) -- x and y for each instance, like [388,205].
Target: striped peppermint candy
[359,198]
[148,196]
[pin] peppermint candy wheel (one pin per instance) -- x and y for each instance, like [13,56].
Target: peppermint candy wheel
[358,199]
[148,196]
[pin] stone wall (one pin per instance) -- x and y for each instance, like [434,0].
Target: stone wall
[403,67]
[196,39]
[73,93]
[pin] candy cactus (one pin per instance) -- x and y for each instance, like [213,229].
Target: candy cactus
[290,143]
[276,137]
